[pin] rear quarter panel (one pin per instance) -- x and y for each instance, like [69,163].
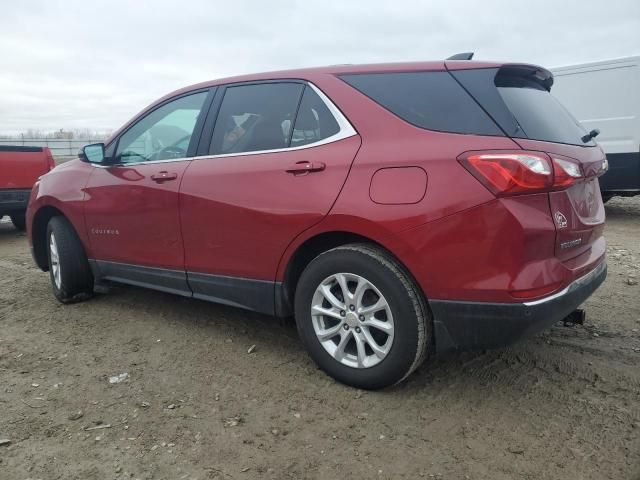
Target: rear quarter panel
[389,142]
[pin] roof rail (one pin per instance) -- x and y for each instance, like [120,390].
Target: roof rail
[461,56]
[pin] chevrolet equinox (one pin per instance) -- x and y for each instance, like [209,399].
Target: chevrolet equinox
[395,210]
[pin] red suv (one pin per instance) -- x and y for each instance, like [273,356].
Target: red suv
[396,210]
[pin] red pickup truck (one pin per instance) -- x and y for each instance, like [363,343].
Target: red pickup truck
[20,167]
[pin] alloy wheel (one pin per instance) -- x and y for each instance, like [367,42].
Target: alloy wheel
[352,320]
[55,261]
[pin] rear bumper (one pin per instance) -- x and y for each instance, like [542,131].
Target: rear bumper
[479,325]
[14,200]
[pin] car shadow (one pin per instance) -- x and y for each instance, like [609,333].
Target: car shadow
[7,230]
[513,370]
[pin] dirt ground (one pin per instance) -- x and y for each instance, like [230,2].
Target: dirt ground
[196,405]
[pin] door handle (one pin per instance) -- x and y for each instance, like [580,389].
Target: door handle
[304,167]
[163,177]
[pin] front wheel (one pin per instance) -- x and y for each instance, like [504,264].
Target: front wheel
[361,317]
[71,277]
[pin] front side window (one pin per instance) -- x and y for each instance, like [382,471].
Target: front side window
[255,118]
[163,134]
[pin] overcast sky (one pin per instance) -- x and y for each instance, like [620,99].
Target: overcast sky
[94,64]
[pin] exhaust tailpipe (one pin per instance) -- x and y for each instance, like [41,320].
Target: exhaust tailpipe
[575,318]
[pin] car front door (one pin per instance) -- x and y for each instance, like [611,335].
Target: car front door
[279,154]
[131,207]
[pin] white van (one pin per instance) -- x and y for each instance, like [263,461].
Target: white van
[606,95]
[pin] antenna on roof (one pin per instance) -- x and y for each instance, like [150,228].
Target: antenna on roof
[461,56]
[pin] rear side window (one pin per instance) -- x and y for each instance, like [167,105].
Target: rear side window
[256,117]
[431,100]
[314,121]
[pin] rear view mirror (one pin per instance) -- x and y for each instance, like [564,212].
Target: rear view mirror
[93,153]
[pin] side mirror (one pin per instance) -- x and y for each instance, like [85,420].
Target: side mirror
[93,153]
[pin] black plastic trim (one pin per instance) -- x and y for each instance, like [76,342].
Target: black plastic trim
[478,325]
[14,199]
[192,149]
[165,280]
[20,148]
[255,295]
[209,122]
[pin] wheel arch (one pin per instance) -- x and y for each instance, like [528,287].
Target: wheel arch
[39,232]
[312,246]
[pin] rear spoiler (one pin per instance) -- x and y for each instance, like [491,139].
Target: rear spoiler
[534,73]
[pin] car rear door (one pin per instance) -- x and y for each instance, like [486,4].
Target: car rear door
[131,206]
[270,173]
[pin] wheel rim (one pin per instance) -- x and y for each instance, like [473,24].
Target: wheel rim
[352,320]
[55,261]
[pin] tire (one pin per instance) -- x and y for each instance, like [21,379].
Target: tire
[606,197]
[401,346]
[18,221]
[69,271]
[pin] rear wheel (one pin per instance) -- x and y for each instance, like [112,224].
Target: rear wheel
[361,317]
[71,277]
[18,221]
[606,197]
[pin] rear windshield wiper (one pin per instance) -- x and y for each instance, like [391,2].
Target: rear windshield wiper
[592,134]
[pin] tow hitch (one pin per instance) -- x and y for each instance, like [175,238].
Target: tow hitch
[575,317]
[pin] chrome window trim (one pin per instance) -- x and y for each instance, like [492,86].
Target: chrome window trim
[346,131]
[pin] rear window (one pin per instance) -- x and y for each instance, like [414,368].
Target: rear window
[430,100]
[522,106]
[540,115]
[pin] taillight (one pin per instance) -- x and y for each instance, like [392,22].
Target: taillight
[516,173]
[565,173]
[511,173]
[51,163]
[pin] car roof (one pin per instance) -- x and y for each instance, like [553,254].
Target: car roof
[343,69]
[314,72]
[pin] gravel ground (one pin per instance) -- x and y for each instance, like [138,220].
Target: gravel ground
[196,405]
